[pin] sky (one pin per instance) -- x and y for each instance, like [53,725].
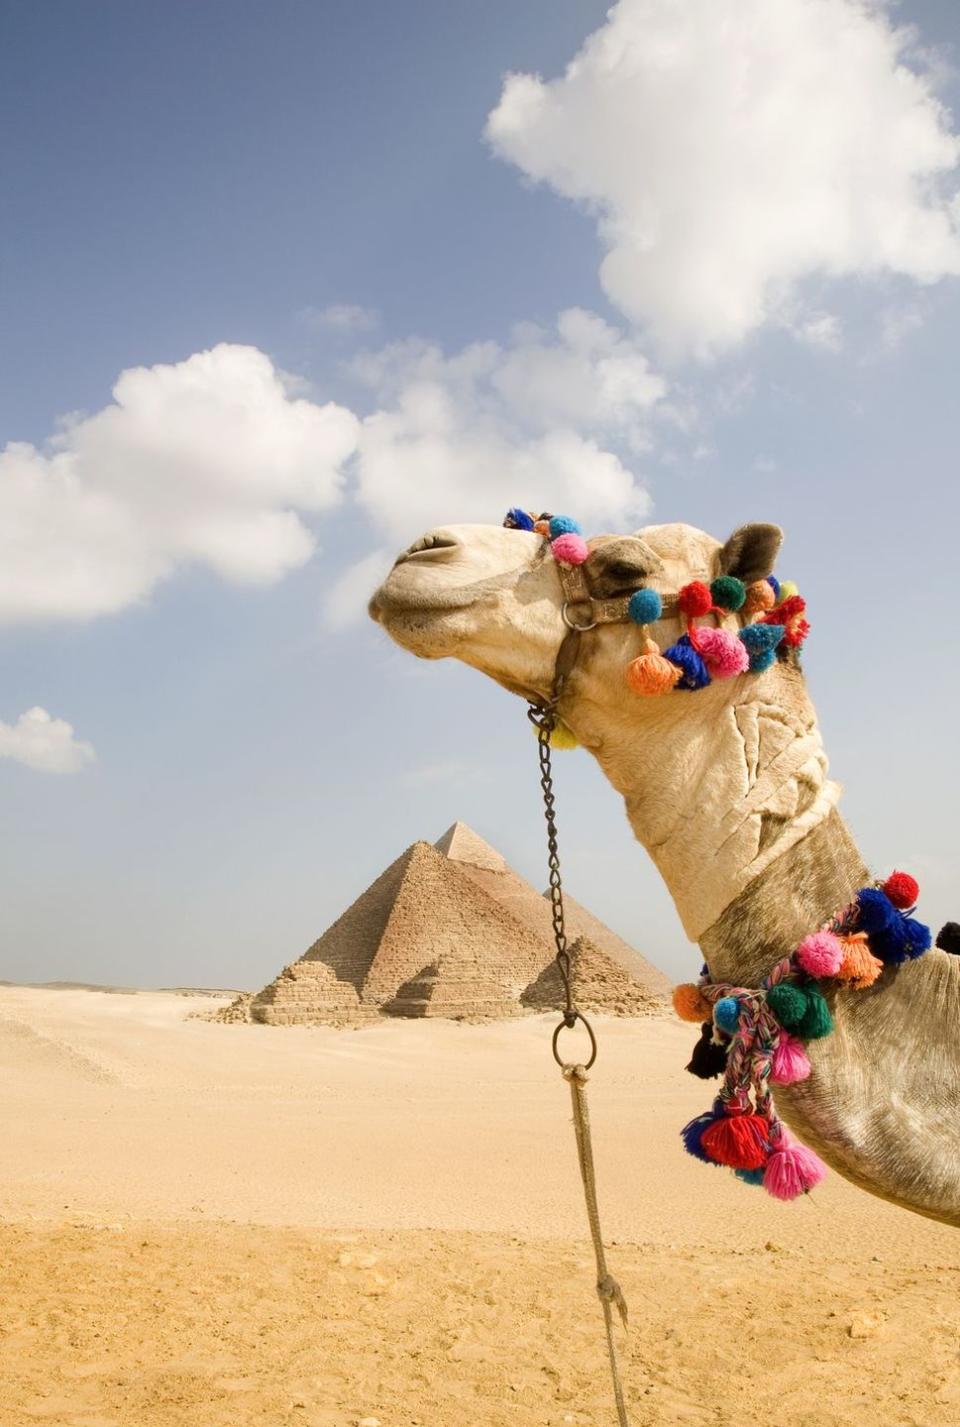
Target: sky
[285,285]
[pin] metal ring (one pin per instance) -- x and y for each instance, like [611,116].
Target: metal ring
[581,628]
[589,1030]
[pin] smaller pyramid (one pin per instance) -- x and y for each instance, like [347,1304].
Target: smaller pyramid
[598,983]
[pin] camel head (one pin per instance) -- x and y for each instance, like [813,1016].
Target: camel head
[493,598]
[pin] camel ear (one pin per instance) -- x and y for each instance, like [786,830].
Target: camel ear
[751,552]
[617,564]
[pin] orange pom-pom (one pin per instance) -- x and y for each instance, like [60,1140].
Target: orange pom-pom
[651,673]
[691,1004]
[760,597]
[542,527]
[859,968]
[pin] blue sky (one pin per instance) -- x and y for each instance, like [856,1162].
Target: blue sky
[314,182]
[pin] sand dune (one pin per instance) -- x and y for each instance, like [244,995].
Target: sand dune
[214,1224]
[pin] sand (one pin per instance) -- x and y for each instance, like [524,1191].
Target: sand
[219,1225]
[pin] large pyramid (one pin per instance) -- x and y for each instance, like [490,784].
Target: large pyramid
[450,930]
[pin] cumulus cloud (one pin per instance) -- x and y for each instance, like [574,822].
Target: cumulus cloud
[44,743]
[732,149]
[530,422]
[209,462]
[340,317]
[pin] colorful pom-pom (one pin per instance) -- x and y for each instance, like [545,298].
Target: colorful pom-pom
[788,1003]
[726,1014]
[792,1170]
[571,549]
[750,1176]
[774,584]
[759,663]
[542,527]
[691,1004]
[695,599]
[693,1132]
[759,598]
[760,641]
[563,525]
[708,1059]
[902,889]
[787,591]
[817,1020]
[693,671]
[727,592]
[517,519]
[563,737]
[820,954]
[859,968]
[651,673]
[738,1141]
[645,606]
[877,915]
[790,1061]
[723,652]
[905,941]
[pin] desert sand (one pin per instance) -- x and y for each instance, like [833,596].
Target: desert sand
[212,1225]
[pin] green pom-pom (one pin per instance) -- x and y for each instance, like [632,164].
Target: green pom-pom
[817,1020]
[788,1003]
[728,592]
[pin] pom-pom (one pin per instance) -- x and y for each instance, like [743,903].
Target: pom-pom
[726,1014]
[695,599]
[750,1176]
[759,598]
[645,606]
[542,527]
[758,638]
[693,1132]
[738,1141]
[774,584]
[905,941]
[788,591]
[651,673]
[708,1059]
[790,1061]
[902,889]
[570,549]
[817,1020]
[859,968]
[948,938]
[877,915]
[724,654]
[563,525]
[693,671]
[728,592]
[820,954]
[517,519]
[691,1004]
[759,663]
[792,1170]
[788,1003]
[562,737]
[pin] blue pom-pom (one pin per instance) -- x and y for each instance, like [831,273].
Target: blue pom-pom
[751,1176]
[645,607]
[563,525]
[760,638]
[760,662]
[878,916]
[518,519]
[692,1133]
[693,671]
[774,584]
[904,940]
[726,1014]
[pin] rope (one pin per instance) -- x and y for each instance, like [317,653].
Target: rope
[608,1289]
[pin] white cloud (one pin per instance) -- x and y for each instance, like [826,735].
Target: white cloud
[461,438]
[821,329]
[209,462]
[346,601]
[340,317]
[44,743]
[732,148]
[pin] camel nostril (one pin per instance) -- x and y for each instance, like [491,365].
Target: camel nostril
[436,544]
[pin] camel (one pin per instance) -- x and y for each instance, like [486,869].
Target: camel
[727,790]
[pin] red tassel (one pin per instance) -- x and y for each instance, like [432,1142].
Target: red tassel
[739,1141]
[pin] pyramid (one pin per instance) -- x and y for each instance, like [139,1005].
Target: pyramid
[598,982]
[449,929]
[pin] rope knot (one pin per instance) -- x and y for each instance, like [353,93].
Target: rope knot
[609,1291]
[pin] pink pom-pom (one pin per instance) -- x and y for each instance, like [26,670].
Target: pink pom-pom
[792,1170]
[820,954]
[726,655]
[790,1061]
[571,549]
